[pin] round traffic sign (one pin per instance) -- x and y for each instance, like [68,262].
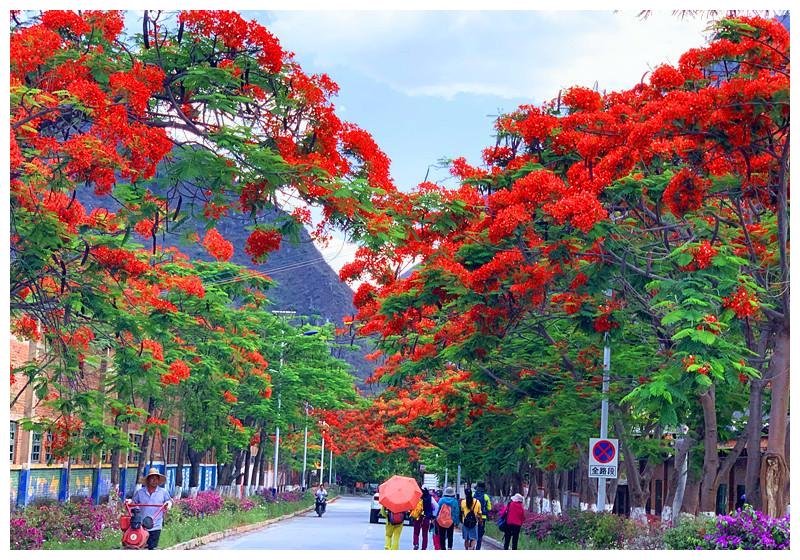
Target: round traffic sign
[604,451]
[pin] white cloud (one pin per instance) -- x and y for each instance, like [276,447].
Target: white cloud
[507,54]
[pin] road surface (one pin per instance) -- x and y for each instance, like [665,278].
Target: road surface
[345,526]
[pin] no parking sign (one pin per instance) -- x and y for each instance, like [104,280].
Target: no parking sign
[603,458]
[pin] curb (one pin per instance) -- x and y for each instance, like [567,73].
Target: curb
[219,535]
[495,544]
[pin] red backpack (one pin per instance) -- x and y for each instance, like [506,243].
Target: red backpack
[396,518]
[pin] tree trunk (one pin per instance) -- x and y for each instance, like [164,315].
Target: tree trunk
[531,488]
[611,492]
[552,493]
[194,470]
[256,482]
[774,470]
[638,480]
[236,477]
[245,479]
[179,468]
[691,496]
[752,488]
[263,464]
[708,488]
[677,475]
[144,451]
[113,492]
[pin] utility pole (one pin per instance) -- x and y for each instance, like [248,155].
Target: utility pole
[277,440]
[330,469]
[322,460]
[601,482]
[305,449]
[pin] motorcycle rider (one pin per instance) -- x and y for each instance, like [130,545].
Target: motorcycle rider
[321,496]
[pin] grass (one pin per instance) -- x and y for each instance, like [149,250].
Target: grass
[188,528]
[527,542]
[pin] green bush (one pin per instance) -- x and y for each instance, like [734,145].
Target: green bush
[689,534]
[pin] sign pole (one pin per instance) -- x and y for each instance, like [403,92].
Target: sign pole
[601,482]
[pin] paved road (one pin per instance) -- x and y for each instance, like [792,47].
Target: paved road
[345,526]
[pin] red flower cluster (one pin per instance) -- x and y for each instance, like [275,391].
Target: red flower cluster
[261,242]
[145,228]
[229,397]
[742,302]
[191,285]
[666,77]
[702,253]
[236,423]
[710,323]
[219,247]
[685,192]
[65,429]
[26,327]
[137,85]
[80,338]
[603,323]
[178,371]
[120,259]
[582,99]
[154,348]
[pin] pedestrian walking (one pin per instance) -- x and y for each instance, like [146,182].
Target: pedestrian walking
[471,517]
[448,518]
[514,515]
[394,528]
[434,527]
[486,507]
[153,497]
[422,516]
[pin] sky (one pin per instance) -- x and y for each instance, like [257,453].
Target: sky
[428,85]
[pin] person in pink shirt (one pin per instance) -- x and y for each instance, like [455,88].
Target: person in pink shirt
[514,513]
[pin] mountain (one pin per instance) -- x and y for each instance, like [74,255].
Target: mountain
[305,283]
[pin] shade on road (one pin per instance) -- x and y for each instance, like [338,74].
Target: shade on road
[345,526]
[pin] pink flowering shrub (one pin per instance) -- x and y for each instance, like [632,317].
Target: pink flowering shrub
[60,522]
[25,536]
[205,503]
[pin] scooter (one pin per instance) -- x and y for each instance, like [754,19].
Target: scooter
[319,506]
[136,527]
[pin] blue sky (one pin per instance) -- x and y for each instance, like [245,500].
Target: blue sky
[427,84]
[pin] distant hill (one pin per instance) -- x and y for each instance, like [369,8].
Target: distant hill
[305,282]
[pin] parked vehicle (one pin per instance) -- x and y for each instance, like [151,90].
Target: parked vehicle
[375,509]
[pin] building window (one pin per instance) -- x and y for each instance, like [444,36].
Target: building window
[172,449]
[13,439]
[136,440]
[48,447]
[36,447]
[103,456]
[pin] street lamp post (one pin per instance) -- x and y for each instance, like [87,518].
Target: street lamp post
[277,425]
[330,469]
[322,460]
